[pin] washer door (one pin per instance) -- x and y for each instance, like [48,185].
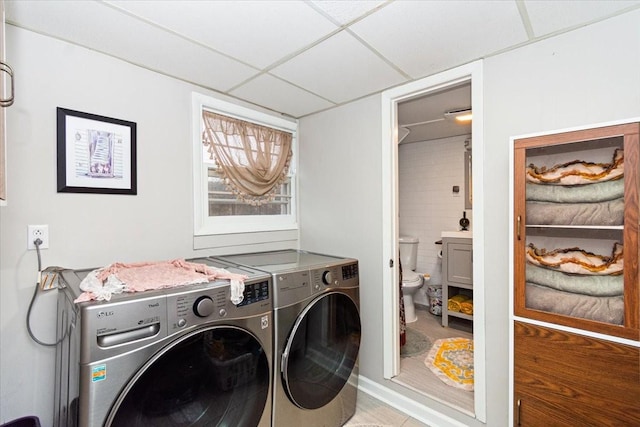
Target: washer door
[321,351]
[217,376]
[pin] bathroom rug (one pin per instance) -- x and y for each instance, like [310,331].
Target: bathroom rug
[451,360]
[417,343]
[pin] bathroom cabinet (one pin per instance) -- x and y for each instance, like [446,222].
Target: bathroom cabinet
[457,274]
[575,287]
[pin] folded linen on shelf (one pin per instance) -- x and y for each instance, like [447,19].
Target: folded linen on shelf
[608,213]
[116,278]
[576,260]
[591,193]
[466,307]
[455,303]
[609,285]
[578,172]
[601,309]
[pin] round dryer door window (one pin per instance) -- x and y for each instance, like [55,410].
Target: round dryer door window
[321,351]
[218,376]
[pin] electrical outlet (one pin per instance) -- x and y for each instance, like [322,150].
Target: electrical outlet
[38,232]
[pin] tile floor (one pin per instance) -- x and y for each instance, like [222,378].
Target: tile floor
[371,412]
[416,376]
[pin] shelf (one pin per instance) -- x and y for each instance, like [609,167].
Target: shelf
[578,227]
[610,233]
[461,286]
[460,315]
[457,273]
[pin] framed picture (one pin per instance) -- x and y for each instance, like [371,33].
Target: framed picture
[96,154]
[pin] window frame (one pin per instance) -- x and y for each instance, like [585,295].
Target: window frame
[207,225]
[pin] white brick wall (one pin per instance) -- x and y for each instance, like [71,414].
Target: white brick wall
[427,172]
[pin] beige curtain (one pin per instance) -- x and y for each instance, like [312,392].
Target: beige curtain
[253,159]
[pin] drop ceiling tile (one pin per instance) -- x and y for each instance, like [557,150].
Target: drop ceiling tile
[424,37]
[258,33]
[344,12]
[548,17]
[273,93]
[102,28]
[339,69]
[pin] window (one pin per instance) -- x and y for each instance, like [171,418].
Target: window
[220,204]
[223,202]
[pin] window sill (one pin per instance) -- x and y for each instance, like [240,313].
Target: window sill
[257,241]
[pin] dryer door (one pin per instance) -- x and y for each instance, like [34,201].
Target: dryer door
[218,376]
[321,351]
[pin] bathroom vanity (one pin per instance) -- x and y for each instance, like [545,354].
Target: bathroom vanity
[457,274]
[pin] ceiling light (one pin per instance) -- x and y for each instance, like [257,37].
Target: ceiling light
[461,115]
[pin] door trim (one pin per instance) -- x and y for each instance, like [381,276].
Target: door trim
[390,274]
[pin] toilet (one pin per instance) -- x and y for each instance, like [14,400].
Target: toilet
[411,281]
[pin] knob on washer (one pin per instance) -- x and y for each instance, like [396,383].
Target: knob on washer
[327,279]
[203,306]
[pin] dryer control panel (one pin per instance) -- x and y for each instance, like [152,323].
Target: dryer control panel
[338,276]
[350,271]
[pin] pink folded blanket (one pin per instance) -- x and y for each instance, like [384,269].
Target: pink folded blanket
[119,277]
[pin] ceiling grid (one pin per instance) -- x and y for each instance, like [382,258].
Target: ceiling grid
[300,57]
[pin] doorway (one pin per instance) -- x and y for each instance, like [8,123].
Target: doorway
[470,73]
[433,198]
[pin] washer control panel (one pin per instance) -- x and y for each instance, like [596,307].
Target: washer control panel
[327,277]
[203,306]
[213,302]
[255,292]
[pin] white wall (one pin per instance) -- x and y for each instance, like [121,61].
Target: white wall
[86,230]
[587,76]
[427,172]
[584,77]
[339,173]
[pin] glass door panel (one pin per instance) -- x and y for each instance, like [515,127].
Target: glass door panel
[214,377]
[321,351]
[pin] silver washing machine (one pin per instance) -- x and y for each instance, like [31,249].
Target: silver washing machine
[316,338]
[184,356]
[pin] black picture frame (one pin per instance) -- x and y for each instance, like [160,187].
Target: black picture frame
[96,154]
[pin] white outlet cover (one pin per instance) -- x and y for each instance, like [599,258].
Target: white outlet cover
[38,232]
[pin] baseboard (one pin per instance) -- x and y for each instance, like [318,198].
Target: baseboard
[413,409]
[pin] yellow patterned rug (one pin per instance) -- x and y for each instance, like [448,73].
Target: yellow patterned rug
[451,360]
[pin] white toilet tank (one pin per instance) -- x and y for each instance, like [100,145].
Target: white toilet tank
[408,252]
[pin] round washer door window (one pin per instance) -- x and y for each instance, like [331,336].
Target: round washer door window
[218,376]
[321,351]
